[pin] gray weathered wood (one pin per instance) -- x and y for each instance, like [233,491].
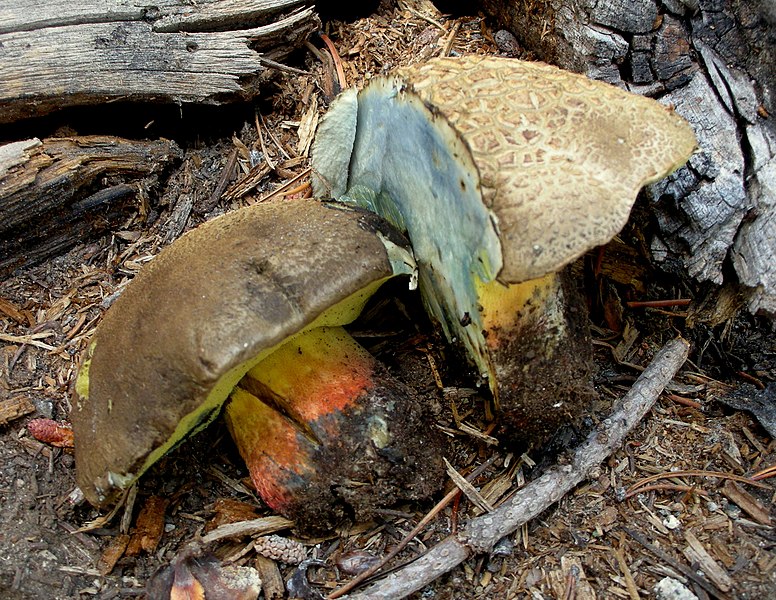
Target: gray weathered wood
[27,15]
[55,54]
[53,195]
[714,60]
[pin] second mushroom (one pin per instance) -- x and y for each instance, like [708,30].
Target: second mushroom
[247,311]
[502,172]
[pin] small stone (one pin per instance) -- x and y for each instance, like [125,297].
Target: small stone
[671,589]
[671,522]
[504,547]
[507,43]
[356,562]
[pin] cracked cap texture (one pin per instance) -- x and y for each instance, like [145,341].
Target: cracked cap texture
[561,157]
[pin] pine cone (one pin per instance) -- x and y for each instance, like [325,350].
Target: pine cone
[281,549]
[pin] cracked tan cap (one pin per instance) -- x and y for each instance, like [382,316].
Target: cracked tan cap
[561,158]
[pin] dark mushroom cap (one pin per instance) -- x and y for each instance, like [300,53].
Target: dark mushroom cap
[205,310]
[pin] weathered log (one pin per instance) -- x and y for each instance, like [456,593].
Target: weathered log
[714,61]
[58,192]
[54,54]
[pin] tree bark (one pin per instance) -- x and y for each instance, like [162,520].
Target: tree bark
[714,61]
[55,54]
[58,192]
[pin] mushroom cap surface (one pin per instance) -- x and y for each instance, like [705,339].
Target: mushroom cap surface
[561,157]
[204,311]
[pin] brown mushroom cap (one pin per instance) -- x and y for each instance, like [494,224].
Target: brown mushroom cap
[496,168]
[205,310]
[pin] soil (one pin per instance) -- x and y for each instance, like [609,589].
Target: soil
[595,542]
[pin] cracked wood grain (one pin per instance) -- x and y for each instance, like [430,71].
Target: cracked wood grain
[53,195]
[54,55]
[713,60]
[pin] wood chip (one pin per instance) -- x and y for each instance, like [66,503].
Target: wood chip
[696,553]
[9,309]
[467,488]
[112,554]
[570,575]
[630,584]
[15,408]
[32,339]
[261,526]
[271,580]
[229,510]
[149,527]
[746,502]
[476,433]
[307,128]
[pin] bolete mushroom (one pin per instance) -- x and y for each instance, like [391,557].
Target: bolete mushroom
[501,172]
[216,304]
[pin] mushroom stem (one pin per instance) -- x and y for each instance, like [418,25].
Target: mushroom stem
[322,428]
[539,353]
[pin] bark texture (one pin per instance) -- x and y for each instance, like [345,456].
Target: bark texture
[714,61]
[55,193]
[55,54]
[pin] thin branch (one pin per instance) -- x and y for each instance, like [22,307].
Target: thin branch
[353,583]
[659,303]
[281,67]
[482,533]
[337,60]
[262,526]
[637,487]
[765,473]
[677,566]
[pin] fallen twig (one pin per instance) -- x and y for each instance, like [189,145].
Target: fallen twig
[262,526]
[659,303]
[764,474]
[356,581]
[482,533]
[677,566]
[337,60]
[667,487]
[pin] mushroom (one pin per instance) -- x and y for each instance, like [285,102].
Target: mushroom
[216,304]
[501,172]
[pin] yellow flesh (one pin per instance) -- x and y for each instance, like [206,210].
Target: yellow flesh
[502,304]
[317,373]
[503,307]
[298,362]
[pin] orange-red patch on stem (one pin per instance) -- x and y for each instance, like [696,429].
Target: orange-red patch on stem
[319,373]
[269,444]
